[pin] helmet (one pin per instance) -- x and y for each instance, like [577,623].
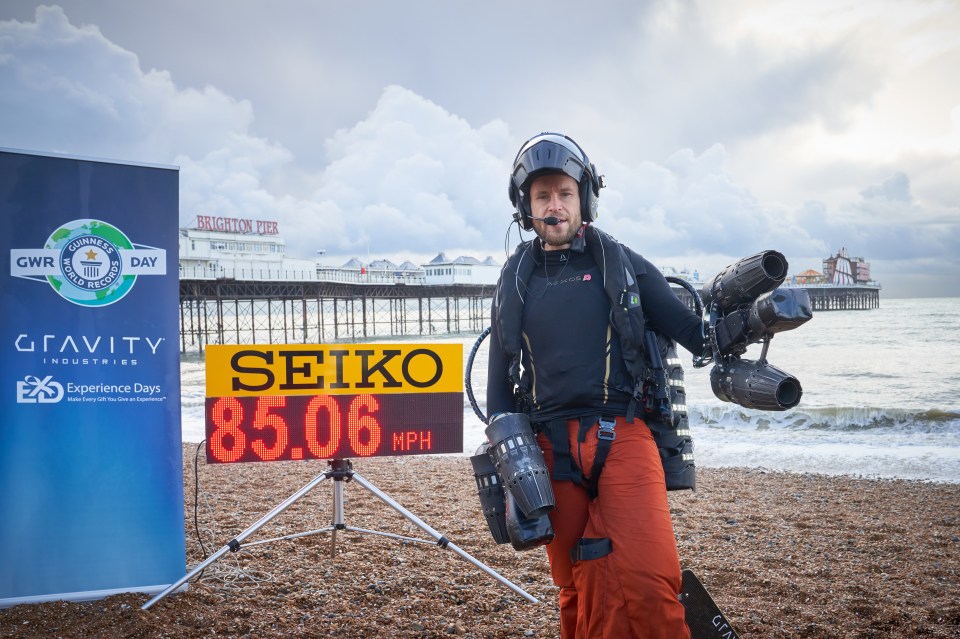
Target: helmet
[552,153]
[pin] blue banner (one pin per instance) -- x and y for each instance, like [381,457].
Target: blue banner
[90,447]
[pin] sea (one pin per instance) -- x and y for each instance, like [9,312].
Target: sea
[881,397]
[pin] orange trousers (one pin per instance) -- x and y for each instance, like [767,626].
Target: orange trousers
[632,592]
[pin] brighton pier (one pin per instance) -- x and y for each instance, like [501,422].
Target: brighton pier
[238,287]
[232,311]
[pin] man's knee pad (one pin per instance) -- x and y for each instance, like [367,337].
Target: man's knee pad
[520,463]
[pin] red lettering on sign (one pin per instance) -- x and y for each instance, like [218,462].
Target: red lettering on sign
[264,420]
[236,225]
[311,426]
[363,430]
[227,442]
[272,428]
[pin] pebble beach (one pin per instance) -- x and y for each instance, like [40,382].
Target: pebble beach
[783,554]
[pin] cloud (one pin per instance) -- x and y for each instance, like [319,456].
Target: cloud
[413,177]
[68,88]
[895,188]
[691,206]
[689,75]
[410,178]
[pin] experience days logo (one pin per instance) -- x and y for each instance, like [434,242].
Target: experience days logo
[88,262]
[33,390]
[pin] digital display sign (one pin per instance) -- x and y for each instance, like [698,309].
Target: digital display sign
[289,402]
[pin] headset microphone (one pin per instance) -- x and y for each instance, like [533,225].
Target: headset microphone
[549,221]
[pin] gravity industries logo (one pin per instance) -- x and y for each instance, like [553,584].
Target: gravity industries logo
[88,262]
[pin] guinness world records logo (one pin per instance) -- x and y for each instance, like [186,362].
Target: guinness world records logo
[90,264]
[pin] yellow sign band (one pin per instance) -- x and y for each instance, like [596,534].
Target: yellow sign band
[333,369]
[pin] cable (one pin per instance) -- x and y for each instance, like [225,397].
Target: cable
[506,241]
[697,301]
[231,578]
[196,495]
[196,500]
[467,383]
[707,356]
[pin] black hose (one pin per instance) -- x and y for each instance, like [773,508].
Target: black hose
[697,301]
[468,385]
[710,349]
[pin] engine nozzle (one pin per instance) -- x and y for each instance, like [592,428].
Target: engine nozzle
[754,384]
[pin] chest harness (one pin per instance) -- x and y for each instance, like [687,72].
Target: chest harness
[638,347]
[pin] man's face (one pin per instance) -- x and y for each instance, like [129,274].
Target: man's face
[556,195]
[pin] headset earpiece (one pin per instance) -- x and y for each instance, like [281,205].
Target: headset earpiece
[521,206]
[586,200]
[589,193]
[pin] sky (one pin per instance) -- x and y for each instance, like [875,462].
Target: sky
[379,129]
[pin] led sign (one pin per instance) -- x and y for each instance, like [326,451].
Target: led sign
[318,401]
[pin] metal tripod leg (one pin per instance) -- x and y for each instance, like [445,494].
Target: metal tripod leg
[234,544]
[442,541]
[338,519]
[340,470]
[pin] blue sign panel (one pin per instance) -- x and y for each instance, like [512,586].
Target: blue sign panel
[90,445]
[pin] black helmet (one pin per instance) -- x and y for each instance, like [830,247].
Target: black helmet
[552,153]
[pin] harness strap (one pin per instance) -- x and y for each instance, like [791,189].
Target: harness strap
[638,393]
[588,548]
[605,437]
[564,467]
[660,389]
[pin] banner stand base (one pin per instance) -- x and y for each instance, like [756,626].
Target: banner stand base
[340,470]
[83,596]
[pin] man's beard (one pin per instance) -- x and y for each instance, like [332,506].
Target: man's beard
[558,240]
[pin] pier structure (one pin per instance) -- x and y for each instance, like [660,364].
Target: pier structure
[224,311]
[844,285]
[310,312]
[832,297]
[238,287]
[227,311]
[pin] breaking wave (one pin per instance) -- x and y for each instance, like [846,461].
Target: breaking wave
[833,418]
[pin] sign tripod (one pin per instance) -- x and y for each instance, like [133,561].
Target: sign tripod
[340,470]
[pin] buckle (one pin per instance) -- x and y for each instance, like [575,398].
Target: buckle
[606,430]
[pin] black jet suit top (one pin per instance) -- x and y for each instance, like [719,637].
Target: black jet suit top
[570,354]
